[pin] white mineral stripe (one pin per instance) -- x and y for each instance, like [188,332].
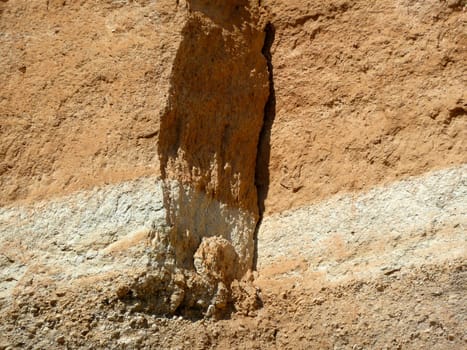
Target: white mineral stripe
[411,222]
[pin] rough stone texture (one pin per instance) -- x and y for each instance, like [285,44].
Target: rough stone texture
[115,239]
[418,221]
[101,234]
[82,86]
[210,130]
[208,191]
[417,308]
[361,94]
[366,92]
[194,215]
[219,87]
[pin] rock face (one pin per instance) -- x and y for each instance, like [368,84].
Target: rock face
[82,88]
[153,152]
[366,93]
[207,149]
[210,129]
[407,223]
[211,96]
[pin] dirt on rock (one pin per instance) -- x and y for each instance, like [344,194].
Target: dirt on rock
[366,92]
[148,149]
[82,84]
[405,309]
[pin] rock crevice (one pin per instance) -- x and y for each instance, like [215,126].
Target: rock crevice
[264,143]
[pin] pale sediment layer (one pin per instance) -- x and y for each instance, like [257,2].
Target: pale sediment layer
[109,233]
[195,215]
[78,236]
[104,231]
[421,220]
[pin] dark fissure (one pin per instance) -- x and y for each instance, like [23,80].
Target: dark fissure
[264,143]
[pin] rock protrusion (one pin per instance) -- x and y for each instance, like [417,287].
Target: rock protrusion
[208,148]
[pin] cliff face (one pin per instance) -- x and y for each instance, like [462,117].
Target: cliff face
[202,64]
[219,87]
[82,88]
[366,93]
[153,152]
[210,130]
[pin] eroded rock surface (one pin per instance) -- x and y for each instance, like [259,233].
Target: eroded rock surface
[367,92]
[184,98]
[131,156]
[210,130]
[83,84]
[208,143]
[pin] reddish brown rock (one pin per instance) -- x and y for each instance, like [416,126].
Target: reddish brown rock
[210,130]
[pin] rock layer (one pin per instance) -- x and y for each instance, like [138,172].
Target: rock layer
[367,92]
[100,98]
[208,142]
[83,84]
[211,110]
[421,220]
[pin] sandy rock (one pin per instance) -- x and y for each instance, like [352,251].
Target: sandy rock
[153,152]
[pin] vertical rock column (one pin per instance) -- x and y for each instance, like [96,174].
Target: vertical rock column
[209,138]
